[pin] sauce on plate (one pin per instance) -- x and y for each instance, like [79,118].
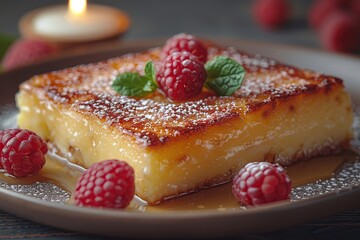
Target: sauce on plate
[64,174]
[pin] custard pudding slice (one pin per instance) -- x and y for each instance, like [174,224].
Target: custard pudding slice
[281,114]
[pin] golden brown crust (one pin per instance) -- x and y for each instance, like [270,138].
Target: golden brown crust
[154,121]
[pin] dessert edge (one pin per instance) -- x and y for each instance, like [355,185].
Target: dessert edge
[281,114]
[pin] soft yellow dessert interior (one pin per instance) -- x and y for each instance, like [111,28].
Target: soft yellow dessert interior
[301,127]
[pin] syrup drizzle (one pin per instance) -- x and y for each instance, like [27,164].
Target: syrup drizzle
[62,173]
[222,199]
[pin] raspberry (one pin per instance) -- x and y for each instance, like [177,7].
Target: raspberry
[355,8]
[271,14]
[181,76]
[22,152]
[259,183]
[321,9]
[185,43]
[341,32]
[1,147]
[107,184]
[25,51]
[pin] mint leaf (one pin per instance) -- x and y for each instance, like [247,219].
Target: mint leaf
[135,85]
[150,70]
[5,42]
[224,75]
[150,73]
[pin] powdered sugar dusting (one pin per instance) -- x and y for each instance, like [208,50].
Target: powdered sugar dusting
[142,117]
[154,120]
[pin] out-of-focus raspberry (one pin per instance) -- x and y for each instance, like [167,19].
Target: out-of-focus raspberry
[355,9]
[321,9]
[341,32]
[271,14]
[26,51]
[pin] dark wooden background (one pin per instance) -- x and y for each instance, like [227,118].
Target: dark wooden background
[206,18]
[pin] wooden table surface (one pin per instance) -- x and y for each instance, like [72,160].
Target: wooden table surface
[345,225]
[162,18]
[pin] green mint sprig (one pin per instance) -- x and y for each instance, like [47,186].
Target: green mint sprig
[135,85]
[5,42]
[224,76]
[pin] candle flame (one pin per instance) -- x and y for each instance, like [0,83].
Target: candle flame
[77,7]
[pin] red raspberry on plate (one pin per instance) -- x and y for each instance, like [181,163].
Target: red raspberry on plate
[259,183]
[185,43]
[271,14]
[181,76]
[107,184]
[22,152]
[25,51]
[341,32]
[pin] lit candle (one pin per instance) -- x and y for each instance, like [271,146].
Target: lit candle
[75,23]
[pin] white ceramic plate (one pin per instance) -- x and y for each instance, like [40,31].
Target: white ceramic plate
[204,223]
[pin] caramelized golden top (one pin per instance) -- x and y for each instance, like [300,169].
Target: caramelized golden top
[155,120]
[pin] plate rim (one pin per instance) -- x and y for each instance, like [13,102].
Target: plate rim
[203,213]
[122,223]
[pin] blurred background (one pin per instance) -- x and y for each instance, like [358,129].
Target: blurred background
[331,25]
